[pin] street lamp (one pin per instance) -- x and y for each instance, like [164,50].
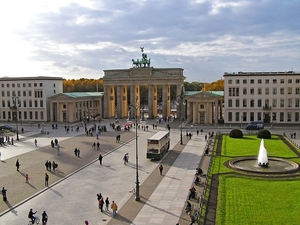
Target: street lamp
[14,109]
[181,101]
[137,187]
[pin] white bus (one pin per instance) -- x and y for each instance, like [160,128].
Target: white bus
[158,145]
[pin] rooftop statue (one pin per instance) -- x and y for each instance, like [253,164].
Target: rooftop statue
[144,61]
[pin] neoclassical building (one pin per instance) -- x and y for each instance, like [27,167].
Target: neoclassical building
[204,107]
[75,106]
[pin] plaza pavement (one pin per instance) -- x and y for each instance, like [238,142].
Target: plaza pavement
[70,199]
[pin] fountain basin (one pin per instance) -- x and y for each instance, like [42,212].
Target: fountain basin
[275,165]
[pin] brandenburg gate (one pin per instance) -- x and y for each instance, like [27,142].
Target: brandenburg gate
[118,82]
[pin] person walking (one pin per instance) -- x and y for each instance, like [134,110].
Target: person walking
[78,153]
[86,222]
[101,203]
[58,147]
[35,142]
[106,204]
[114,208]
[46,179]
[44,218]
[18,164]
[100,159]
[161,169]
[4,194]
[12,141]
[27,178]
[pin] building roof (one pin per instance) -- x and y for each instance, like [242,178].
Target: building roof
[260,73]
[83,94]
[214,93]
[29,78]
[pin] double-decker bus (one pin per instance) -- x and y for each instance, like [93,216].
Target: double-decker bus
[158,145]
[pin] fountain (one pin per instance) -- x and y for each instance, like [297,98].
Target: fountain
[263,164]
[262,159]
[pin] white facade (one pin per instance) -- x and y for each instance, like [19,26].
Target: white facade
[272,97]
[31,94]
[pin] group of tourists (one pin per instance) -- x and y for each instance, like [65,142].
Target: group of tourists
[6,139]
[48,165]
[101,203]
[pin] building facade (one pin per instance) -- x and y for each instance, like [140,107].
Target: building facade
[272,97]
[26,98]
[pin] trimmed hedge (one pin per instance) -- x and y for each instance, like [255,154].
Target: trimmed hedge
[264,134]
[236,133]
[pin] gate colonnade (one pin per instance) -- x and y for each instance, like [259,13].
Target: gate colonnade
[116,84]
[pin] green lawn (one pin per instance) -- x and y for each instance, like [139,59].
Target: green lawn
[253,200]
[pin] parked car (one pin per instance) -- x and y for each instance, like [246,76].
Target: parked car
[255,125]
[6,127]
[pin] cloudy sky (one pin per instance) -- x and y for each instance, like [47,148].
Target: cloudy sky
[80,38]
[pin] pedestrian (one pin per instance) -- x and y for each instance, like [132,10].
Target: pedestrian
[101,202]
[197,132]
[12,141]
[193,219]
[161,169]
[114,208]
[58,147]
[125,159]
[46,179]
[75,151]
[94,145]
[106,204]
[99,196]
[27,178]
[46,165]
[44,218]
[35,142]
[78,153]
[98,145]
[100,159]
[201,131]
[4,194]
[205,137]
[86,222]
[18,164]
[53,166]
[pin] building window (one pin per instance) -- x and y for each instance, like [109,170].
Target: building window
[251,104]
[36,115]
[8,94]
[229,102]
[24,103]
[25,115]
[244,102]
[237,81]
[244,116]
[7,85]
[35,103]
[2,85]
[274,116]
[3,115]
[297,81]
[30,103]
[3,94]
[54,91]
[296,116]
[237,103]
[297,91]
[267,81]
[229,116]
[274,81]
[259,91]
[18,85]
[289,102]
[266,91]
[281,103]
[282,81]
[13,93]
[19,93]
[290,91]
[64,106]
[244,91]
[252,91]
[259,116]
[274,91]
[41,84]
[282,91]
[297,101]
[244,81]
[53,85]
[42,116]
[12,85]
[259,82]
[29,93]
[259,103]
[251,116]
[237,116]
[24,85]
[30,115]
[35,85]
[230,92]
[3,103]
[229,81]
[251,81]
[290,81]
[201,106]
[24,93]
[274,102]
[41,103]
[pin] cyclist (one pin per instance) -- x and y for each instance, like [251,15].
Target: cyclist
[44,218]
[31,215]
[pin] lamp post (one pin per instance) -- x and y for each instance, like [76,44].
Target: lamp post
[137,187]
[181,101]
[14,109]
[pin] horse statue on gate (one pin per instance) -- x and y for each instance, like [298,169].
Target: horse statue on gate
[144,61]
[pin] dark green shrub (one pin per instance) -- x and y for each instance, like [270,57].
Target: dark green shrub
[236,133]
[264,134]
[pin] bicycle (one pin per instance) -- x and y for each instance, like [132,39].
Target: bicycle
[36,221]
